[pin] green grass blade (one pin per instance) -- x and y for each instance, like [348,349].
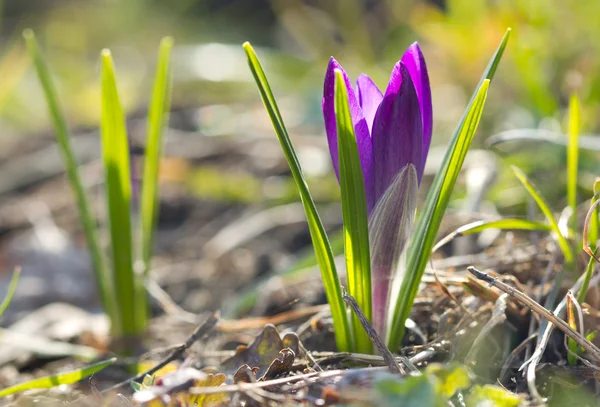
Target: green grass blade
[319,238]
[115,155]
[158,116]
[502,224]
[354,210]
[588,277]
[543,205]
[64,141]
[594,226]
[12,288]
[49,382]
[430,219]
[573,157]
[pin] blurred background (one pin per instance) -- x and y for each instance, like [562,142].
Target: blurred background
[229,208]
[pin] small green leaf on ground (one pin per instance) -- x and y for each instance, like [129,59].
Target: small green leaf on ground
[48,382]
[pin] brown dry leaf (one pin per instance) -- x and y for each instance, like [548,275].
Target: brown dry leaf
[262,352]
[281,365]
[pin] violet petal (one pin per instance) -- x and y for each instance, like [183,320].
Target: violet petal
[363,138]
[390,226]
[397,131]
[369,98]
[415,63]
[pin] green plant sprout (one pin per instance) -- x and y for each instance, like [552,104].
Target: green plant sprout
[121,288]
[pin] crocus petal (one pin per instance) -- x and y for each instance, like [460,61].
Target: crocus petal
[397,131]
[363,138]
[415,63]
[369,98]
[390,225]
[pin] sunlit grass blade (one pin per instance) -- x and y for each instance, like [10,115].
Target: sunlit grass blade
[319,238]
[64,142]
[158,116]
[12,288]
[593,227]
[438,197]
[49,382]
[115,154]
[590,225]
[502,224]
[588,277]
[354,210]
[573,157]
[573,348]
[430,219]
[543,205]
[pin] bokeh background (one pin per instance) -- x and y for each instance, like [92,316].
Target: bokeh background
[221,150]
[553,52]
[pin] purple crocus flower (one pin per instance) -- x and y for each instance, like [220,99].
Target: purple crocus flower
[393,134]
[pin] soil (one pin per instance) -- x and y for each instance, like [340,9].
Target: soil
[216,245]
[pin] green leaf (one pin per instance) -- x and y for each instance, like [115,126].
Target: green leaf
[158,116]
[408,391]
[64,142]
[319,238]
[48,382]
[502,224]
[588,277]
[489,395]
[115,155]
[429,222]
[594,225]
[354,210]
[430,219]
[12,288]
[573,157]
[543,205]
[451,378]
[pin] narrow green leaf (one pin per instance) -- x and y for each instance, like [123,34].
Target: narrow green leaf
[354,210]
[105,288]
[543,205]
[158,116]
[594,226]
[572,345]
[319,238]
[573,157]
[12,288]
[115,155]
[430,219]
[502,224]
[588,277]
[429,222]
[49,382]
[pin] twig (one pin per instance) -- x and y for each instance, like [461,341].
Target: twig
[543,312]
[202,329]
[381,348]
[532,362]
